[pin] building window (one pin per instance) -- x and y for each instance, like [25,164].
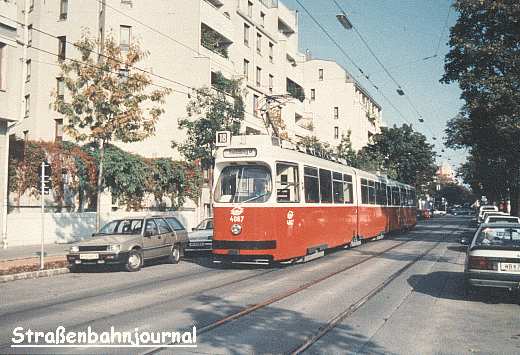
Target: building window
[29,35]
[58,129]
[271,80]
[27,105]
[3,66]
[262,19]
[336,132]
[258,76]
[28,70]
[336,113]
[246,69]
[320,74]
[259,43]
[125,33]
[62,46]
[249,9]
[246,34]
[271,52]
[64,8]
[313,94]
[60,88]
[255,105]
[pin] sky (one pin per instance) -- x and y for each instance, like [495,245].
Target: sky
[401,33]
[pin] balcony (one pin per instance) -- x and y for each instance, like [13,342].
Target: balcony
[214,41]
[214,16]
[295,90]
[8,9]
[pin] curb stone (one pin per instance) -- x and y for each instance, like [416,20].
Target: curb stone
[33,274]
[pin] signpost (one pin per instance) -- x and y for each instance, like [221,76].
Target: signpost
[45,189]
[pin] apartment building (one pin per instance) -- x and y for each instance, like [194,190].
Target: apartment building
[10,103]
[189,42]
[339,104]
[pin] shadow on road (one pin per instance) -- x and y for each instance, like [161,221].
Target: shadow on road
[450,285]
[269,330]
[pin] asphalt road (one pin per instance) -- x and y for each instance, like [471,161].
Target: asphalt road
[401,295]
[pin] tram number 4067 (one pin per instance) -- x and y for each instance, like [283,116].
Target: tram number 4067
[236,219]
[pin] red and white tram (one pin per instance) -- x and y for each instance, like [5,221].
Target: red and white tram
[277,204]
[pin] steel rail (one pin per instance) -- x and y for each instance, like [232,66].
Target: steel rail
[281,296]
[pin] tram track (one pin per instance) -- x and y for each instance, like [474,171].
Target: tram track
[255,307]
[336,320]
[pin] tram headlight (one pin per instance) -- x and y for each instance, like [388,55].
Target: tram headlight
[236,229]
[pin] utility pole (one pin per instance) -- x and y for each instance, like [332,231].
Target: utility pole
[45,188]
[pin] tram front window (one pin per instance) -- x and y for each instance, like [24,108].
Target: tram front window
[243,184]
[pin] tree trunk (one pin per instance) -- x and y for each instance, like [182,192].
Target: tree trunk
[99,187]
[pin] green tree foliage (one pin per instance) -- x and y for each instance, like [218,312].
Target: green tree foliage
[345,151]
[129,177]
[455,194]
[485,61]
[220,108]
[402,153]
[108,100]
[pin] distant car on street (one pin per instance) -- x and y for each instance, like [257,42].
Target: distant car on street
[131,241]
[201,237]
[492,213]
[483,209]
[493,257]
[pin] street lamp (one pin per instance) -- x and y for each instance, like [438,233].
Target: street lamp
[345,22]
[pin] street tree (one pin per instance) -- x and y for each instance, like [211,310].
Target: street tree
[403,154]
[345,151]
[107,99]
[219,108]
[484,60]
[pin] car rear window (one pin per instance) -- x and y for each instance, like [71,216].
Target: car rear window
[176,225]
[499,236]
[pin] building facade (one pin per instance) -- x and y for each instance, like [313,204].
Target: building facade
[10,94]
[189,42]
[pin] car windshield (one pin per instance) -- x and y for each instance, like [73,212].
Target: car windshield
[123,226]
[243,184]
[205,224]
[498,236]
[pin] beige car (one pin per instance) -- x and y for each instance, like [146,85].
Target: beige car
[131,241]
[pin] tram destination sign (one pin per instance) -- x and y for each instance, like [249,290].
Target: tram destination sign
[239,152]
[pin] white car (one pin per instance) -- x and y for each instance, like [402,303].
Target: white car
[487,214]
[493,257]
[483,209]
[501,219]
[201,237]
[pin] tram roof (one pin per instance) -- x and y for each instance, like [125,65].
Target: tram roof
[271,148]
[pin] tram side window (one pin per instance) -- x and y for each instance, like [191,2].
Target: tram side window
[287,183]
[348,190]
[389,195]
[414,199]
[384,200]
[337,188]
[364,191]
[310,179]
[371,192]
[325,186]
[396,200]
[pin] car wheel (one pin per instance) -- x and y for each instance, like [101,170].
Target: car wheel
[175,255]
[134,262]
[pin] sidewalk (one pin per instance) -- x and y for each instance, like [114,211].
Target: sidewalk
[22,259]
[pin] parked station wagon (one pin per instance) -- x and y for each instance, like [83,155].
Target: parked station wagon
[131,241]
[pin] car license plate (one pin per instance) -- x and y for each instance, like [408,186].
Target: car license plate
[200,244]
[89,256]
[510,267]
